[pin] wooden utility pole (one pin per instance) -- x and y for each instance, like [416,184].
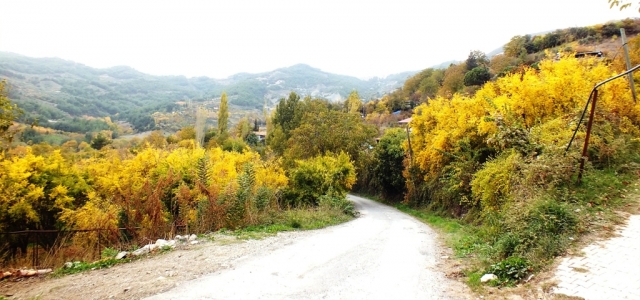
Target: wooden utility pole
[626,58]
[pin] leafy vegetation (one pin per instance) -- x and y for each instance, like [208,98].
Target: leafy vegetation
[483,158]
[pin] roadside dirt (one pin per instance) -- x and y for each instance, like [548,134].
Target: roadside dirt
[150,275]
[182,268]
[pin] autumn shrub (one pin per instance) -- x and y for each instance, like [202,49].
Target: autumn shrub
[314,178]
[492,184]
[533,113]
[152,192]
[499,159]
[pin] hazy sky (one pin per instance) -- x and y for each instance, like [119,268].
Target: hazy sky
[218,38]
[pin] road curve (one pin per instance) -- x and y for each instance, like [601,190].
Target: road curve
[383,254]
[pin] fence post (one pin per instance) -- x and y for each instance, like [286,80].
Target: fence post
[586,139]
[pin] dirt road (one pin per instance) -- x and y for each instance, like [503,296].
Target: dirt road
[384,254]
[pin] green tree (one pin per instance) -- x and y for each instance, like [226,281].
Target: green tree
[100,141]
[477,76]
[286,117]
[287,113]
[476,59]
[326,131]
[388,167]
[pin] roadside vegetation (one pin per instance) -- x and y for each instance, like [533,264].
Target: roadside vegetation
[196,181]
[487,162]
[491,166]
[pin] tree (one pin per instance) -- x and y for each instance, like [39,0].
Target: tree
[8,113]
[286,117]
[156,139]
[326,131]
[477,76]
[242,129]
[100,141]
[476,58]
[353,103]
[201,119]
[287,113]
[502,63]
[516,46]
[388,167]
[453,81]
[223,116]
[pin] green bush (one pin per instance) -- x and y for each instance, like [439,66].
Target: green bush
[511,270]
[538,230]
[109,252]
[328,175]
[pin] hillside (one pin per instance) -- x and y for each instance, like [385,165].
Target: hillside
[54,89]
[522,51]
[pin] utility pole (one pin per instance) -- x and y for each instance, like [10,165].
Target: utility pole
[626,58]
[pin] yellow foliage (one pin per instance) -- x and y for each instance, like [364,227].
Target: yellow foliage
[32,184]
[492,184]
[545,102]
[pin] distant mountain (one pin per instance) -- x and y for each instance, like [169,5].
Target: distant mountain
[445,64]
[53,88]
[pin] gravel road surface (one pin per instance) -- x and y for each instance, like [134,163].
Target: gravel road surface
[383,254]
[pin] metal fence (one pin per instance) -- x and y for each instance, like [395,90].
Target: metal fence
[42,248]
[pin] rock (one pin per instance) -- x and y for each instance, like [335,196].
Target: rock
[180,238]
[127,289]
[171,243]
[141,251]
[68,265]
[488,277]
[194,242]
[122,255]
[193,237]
[160,243]
[161,278]
[152,247]
[445,257]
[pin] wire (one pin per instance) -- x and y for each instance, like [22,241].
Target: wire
[589,100]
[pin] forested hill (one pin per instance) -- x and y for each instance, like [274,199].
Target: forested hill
[54,89]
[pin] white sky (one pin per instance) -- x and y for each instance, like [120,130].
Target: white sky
[218,38]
